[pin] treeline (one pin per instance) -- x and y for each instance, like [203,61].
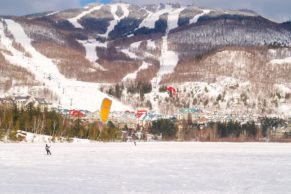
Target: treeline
[171,130]
[116,90]
[232,130]
[164,127]
[140,88]
[52,123]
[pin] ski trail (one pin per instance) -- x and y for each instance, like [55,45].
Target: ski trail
[168,59]
[74,20]
[91,53]
[132,76]
[195,19]
[150,20]
[114,22]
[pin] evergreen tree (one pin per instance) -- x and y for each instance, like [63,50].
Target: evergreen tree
[250,129]
[110,133]
[165,127]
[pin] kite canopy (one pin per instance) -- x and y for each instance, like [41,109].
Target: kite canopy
[172,90]
[105,110]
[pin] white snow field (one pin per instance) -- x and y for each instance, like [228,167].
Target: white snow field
[146,168]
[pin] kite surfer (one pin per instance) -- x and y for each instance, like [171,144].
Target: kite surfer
[47,149]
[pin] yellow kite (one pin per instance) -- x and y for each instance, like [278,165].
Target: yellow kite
[105,110]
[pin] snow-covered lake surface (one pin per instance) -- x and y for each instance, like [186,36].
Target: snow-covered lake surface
[146,168]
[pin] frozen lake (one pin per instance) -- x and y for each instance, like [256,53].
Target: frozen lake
[146,168]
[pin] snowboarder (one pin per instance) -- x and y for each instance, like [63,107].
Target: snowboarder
[47,148]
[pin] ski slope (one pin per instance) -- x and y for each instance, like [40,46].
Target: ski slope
[75,20]
[153,17]
[114,22]
[195,19]
[72,94]
[168,59]
[91,54]
[154,168]
[132,76]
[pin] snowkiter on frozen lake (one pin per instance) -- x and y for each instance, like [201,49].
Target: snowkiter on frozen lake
[47,149]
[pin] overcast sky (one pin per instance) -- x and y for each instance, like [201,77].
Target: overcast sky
[277,10]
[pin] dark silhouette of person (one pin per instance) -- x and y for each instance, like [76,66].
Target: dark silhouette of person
[47,148]
[133,138]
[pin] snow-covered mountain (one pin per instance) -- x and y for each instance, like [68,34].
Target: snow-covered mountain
[222,60]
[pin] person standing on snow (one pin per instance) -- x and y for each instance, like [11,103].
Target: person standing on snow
[133,138]
[47,148]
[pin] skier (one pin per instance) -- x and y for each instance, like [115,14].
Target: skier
[47,148]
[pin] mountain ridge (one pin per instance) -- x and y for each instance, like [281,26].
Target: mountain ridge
[165,45]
